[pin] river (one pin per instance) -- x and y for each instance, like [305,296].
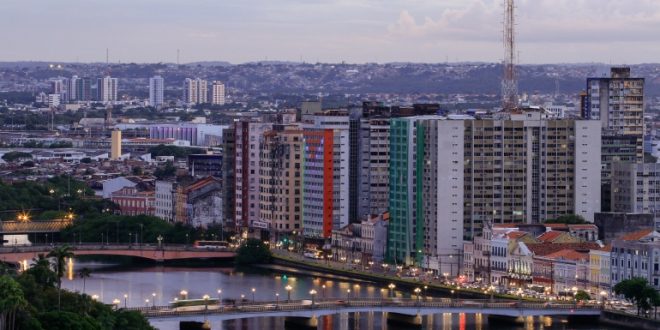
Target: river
[149,284]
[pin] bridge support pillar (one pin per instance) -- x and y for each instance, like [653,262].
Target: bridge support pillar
[296,322]
[405,320]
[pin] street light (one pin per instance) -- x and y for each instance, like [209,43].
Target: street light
[95,297]
[312,293]
[154,297]
[277,298]
[603,297]
[323,292]
[116,303]
[125,300]
[348,295]
[391,287]
[417,292]
[220,298]
[253,290]
[288,289]
[242,298]
[426,287]
[206,301]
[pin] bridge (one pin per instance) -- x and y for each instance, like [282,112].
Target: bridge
[33,227]
[17,254]
[409,306]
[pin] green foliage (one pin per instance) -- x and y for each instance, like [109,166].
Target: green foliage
[570,219]
[68,321]
[177,152]
[120,228]
[11,294]
[137,170]
[86,160]
[166,171]
[36,305]
[15,155]
[639,292]
[253,251]
[29,195]
[582,295]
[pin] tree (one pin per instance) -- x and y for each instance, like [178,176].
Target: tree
[11,299]
[253,251]
[582,295]
[41,271]
[15,155]
[60,254]
[569,219]
[639,292]
[84,273]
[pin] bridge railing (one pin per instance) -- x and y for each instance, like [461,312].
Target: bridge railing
[339,303]
[100,246]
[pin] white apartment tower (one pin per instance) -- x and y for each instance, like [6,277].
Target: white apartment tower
[218,93]
[195,91]
[156,91]
[107,89]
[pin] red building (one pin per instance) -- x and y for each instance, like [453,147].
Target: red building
[131,201]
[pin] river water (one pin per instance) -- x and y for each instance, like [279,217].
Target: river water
[149,284]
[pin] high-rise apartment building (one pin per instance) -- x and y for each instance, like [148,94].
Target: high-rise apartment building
[373,167]
[249,137]
[71,89]
[281,180]
[156,91]
[229,173]
[195,91]
[106,88]
[451,176]
[83,88]
[406,227]
[218,93]
[636,188]
[326,173]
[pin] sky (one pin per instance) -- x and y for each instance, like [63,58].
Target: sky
[355,31]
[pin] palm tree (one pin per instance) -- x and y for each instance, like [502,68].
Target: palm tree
[11,300]
[60,253]
[84,273]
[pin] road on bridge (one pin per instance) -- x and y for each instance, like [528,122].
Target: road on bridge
[24,254]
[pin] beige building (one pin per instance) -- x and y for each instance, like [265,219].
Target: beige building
[115,145]
[218,93]
[280,176]
[195,91]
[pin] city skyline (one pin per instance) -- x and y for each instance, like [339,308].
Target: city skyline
[329,31]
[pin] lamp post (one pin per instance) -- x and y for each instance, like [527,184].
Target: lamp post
[348,295]
[391,287]
[154,299]
[323,291]
[603,297]
[125,300]
[426,287]
[242,298]
[206,302]
[160,241]
[312,293]
[116,303]
[277,298]
[146,302]
[417,292]
[288,289]
[253,290]
[130,239]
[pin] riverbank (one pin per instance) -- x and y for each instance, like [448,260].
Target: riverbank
[619,319]
[400,282]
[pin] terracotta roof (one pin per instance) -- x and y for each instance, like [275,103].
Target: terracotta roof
[200,183]
[569,254]
[515,234]
[550,236]
[636,235]
[583,226]
[543,249]
[555,225]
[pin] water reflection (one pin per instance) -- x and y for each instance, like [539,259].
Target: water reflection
[134,285]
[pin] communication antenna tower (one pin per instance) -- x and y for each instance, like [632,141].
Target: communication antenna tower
[509,81]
